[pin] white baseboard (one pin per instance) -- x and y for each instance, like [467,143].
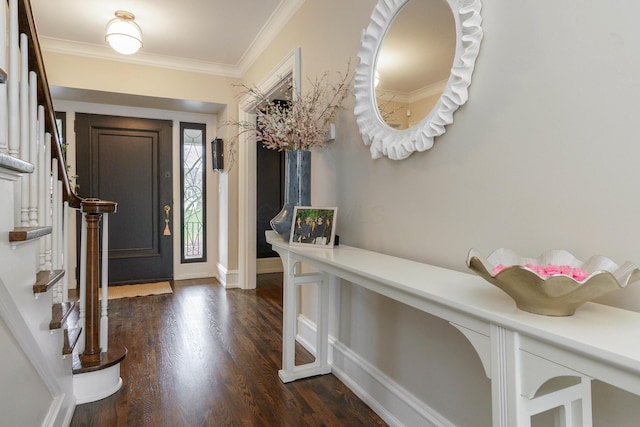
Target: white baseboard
[306,335]
[93,386]
[268,265]
[394,404]
[54,411]
[190,276]
[69,415]
[228,278]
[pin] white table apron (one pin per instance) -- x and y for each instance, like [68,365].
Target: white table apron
[519,351]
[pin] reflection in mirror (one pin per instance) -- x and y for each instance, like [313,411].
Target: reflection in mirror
[418,133]
[414,62]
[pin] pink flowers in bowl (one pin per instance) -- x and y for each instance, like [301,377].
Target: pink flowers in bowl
[551,270]
[555,283]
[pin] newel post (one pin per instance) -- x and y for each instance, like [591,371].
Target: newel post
[92,210]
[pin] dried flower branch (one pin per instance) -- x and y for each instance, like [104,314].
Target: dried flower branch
[298,122]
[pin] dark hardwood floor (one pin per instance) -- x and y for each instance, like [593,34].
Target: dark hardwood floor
[206,356]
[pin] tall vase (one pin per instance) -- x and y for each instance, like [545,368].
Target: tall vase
[297,189]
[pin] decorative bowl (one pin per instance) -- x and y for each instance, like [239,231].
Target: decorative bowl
[557,294]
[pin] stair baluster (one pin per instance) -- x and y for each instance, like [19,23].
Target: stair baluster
[42,183]
[24,127]
[4,145]
[55,233]
[82,289]
[13,90]
[65,250]
[104,318]
[32,143]
[48,264]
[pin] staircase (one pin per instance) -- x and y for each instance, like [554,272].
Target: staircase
[55,352]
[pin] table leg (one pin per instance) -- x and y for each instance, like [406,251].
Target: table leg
[293,279]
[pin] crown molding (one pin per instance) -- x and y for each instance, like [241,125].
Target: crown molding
[428,91]
[88,50]
[425,92]
[276,22]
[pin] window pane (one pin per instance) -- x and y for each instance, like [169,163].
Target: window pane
[193,192]
[61,124]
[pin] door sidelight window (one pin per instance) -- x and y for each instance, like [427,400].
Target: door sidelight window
[193,192]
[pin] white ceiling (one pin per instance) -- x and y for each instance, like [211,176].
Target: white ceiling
[220,37]
[215,36]
[224,37]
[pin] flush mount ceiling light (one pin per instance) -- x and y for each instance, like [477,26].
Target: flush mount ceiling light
[123,34]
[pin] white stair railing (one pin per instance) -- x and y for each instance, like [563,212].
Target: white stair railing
[4,144]
[23,136]
[39,197]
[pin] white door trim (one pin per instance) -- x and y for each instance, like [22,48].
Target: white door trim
[289,67]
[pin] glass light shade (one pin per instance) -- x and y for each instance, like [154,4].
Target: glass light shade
[124,35]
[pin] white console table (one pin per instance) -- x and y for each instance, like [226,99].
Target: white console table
[520,351]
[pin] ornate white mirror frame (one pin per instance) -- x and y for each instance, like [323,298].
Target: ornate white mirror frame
[399,144]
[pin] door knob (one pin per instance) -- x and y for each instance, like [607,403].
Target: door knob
[167,231]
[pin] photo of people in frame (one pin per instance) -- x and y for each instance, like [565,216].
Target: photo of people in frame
[313,226]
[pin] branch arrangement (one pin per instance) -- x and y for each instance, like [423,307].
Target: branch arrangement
[299,121]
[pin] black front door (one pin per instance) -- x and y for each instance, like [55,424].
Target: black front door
[269,194]
[270,191]
[128,161]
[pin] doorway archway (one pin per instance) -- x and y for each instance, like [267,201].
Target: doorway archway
[287,70]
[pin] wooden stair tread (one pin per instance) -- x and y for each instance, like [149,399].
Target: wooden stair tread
[115,355]
[60,313]
[24,234]
[46,279]
[66,313]
[71,336]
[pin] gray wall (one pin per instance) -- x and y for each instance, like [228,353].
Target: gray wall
[543,156]
[24,398]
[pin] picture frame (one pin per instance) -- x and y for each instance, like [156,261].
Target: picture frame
[314,226]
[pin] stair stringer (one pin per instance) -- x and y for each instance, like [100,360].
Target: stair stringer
[25,329]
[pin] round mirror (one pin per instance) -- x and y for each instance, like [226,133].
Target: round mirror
[433,44]
[414,62]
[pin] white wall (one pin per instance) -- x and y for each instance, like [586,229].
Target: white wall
[542,156]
